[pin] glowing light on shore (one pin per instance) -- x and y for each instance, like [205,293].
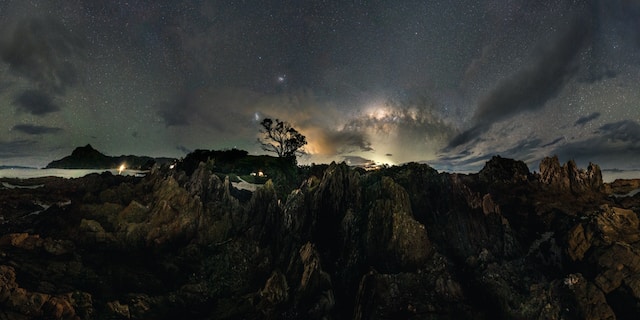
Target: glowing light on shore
[121,168]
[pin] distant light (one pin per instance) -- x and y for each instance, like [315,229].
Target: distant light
[121,168]
[172,166]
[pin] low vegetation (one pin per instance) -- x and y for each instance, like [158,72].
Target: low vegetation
[235,163]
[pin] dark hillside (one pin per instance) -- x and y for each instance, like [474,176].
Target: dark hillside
[89,158]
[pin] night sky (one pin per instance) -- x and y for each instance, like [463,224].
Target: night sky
[449,83]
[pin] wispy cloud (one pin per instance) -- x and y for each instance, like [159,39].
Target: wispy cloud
[36,130]
[35,102]
[16,148]
[586,119]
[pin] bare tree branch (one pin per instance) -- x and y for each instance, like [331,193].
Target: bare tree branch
[281,138]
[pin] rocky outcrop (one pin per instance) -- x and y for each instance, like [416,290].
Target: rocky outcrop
[590,301]
[401,242]
[504,170]
[394,239]
[621,187]
[570,178]
[405,295]
[20,303]
[315,294]
[610,238]
[28,241]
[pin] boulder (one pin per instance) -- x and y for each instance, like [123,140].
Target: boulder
[617,225]
[578,242]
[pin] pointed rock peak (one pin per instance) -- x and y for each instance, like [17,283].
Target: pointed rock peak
[88,149]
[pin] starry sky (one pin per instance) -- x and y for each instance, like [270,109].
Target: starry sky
[449,83]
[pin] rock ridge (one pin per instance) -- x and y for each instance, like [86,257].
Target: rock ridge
[400,242]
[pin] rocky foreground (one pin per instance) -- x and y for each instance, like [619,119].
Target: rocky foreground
[399,243]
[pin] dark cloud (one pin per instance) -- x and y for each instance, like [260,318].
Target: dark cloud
[531,87]
[16,148]
[227,110]
[349,141]
[468,162]
[616,144]
[624,131]
[35,102]
[586,119]
[43,50]
[36,130]
[555,141]
[523,150]
[468,135]
[594,74]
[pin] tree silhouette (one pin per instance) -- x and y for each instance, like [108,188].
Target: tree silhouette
[281,138]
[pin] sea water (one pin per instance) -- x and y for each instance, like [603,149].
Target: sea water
[612,175]
[26,173]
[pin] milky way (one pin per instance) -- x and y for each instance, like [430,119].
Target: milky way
[449,83]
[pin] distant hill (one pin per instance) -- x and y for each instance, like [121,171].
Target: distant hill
[89,158]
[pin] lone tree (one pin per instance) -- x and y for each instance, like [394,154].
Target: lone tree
[281,138]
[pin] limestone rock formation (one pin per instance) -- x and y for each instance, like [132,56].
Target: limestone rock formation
[401,242]
[504,170]
[394,239]
[569,177]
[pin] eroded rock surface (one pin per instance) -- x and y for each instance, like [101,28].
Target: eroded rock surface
[402,242]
